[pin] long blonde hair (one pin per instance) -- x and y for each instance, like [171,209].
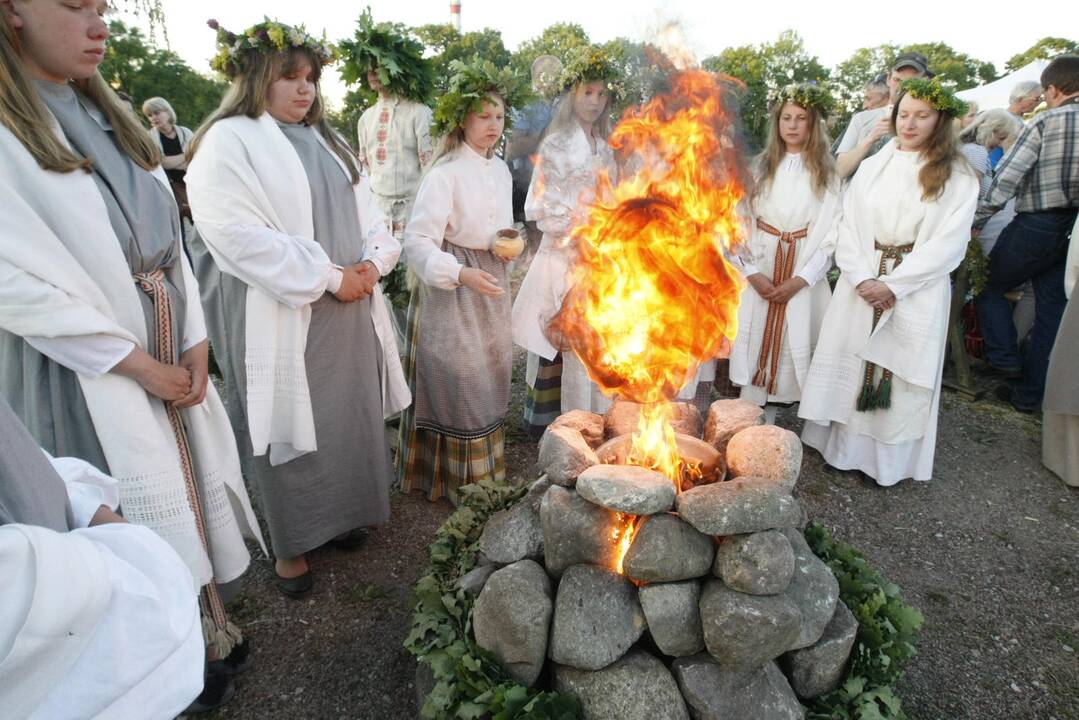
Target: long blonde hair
[25,115]
[815,153]
[250,92]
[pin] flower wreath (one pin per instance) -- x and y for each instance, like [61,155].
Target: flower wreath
[931,91]
[591,63]
[807,95]
[399,60]
[267,36]
[470,85]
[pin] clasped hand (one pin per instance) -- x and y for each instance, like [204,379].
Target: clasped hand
[357,282]
[776,293]
[876,294]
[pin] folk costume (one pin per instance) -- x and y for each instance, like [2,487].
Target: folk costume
[394,142]
[458,351]
[1060,418]
[873,389]
[105,273]
[563,184]
[96,622]
[309,378]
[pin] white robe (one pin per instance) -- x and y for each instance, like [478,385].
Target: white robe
[98,622]
[251,203]
[788,204]
[63,275]
[883,203]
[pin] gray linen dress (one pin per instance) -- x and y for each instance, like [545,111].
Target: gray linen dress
[31,493]
[44,394]
[345,483]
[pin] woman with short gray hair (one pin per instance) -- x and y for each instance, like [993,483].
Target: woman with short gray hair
[992,129]
[173,141]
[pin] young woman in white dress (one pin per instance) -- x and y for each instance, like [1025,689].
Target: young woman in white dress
[873,389]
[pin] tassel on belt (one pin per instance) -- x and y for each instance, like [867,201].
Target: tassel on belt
[220,634]
[880,397]
[783,270]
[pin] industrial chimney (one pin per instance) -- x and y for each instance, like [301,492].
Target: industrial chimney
[455,14]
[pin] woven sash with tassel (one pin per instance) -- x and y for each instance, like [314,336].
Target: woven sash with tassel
[220,634]
[880,397]
[786,253]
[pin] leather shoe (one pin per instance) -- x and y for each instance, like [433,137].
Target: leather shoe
[350,541]
[238,661]
[295,587]
[217,689]
[1005,394]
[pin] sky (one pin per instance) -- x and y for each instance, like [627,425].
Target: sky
[832,30]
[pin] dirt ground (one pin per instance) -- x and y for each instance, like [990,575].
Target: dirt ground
[987,550]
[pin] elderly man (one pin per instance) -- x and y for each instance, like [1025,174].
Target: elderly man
[98,618]
[1039,172]
[870,129]
[1024,97]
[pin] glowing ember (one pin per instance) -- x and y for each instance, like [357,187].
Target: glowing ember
[624,536]
[652,295]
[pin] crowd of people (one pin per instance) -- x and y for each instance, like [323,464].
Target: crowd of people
[124,475]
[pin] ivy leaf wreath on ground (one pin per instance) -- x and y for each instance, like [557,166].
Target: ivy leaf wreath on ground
[470,683]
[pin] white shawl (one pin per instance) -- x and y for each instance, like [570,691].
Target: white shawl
[251,202]
[63,274]
[909,339]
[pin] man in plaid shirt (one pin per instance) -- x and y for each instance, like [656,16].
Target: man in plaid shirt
[1042,173]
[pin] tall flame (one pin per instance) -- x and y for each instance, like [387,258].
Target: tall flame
[652,295]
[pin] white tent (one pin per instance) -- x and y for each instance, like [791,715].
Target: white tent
[995,94]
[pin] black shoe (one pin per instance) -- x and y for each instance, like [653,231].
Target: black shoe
[296,587]
[350,541]
[238,661]
[1004,393]
[217,689]
[1000,373]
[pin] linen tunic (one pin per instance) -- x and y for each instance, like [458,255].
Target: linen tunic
[394,145]
[788,204]
[345,483]
[887,208]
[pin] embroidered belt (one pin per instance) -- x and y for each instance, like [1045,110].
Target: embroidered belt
[220,634]
[786,252]
[880,397]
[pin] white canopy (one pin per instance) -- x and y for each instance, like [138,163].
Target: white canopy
[995,94]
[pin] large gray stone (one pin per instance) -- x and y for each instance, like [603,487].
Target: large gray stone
[673,615]
[513,534]
[623,417]
[473,581]
[536,491]
[564,454]
[742,631]
[765,451]
[728,417]
[637,687]
[737,507]
[577,531]
[759,563]
[627,488]
[597,617]
[813,589]
[821,667]
[666,549]
[714,693]
[511,618]
[589,424]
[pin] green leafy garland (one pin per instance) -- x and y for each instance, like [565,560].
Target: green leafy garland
[591,63]
[399,60]
[470,682]
[887,629]
[267,36]
[931,91]
[977,267]
[470,86]
[807,95]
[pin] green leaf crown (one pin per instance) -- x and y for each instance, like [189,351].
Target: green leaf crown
[807,95]
[470,85]
[398,59]
[931,91]
[267,36]
[591,63]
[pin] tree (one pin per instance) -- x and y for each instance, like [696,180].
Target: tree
[1045,49]
[645,67]
[447,44]
[764,69]
[954,68]
[555,40]
[142,71]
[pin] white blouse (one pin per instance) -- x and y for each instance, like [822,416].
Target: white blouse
[464,200]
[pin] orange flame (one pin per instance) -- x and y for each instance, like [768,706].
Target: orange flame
[652,295]
[623,534]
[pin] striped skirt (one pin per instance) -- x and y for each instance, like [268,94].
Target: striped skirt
[435,462]
[543,401]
